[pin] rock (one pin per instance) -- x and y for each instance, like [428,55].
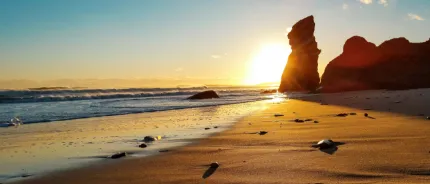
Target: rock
[204,95]
[316,121]
[215,126]
[395,64]
[143,145]
[269,91]
[299,121]
[301,70]
[277,115]
[324,144]
[151,138]
[207,128]
[118,155]
[342,115]
[366,115]
[353,113]
[308,119]
[262,132]
[214,165]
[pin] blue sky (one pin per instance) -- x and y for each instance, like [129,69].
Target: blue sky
[182,39]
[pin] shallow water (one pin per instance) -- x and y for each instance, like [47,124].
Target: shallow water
[39,148]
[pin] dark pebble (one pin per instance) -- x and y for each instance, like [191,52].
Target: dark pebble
[262,132]
[316,121]
[207,128]
[299,121]
[118,155]
[214,165]
[342,115]
[353,113]
[308,119]
[148,139]
[215,126]
[143,145]
[365,114]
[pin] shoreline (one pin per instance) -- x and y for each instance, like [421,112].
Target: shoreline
[384,147]
[94,138]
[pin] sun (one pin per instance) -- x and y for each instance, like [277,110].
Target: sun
[267,66]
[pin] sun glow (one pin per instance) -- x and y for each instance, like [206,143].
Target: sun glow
[267,66]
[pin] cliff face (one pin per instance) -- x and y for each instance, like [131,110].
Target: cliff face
[301,71]
[395,64]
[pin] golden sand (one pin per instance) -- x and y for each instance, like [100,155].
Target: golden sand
[389,146]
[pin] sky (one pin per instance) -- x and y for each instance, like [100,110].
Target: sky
[182,41]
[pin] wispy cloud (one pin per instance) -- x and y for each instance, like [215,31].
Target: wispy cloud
[179,69]
[345,6]
[383,2]
[215,56]
[366,1]
[415,17]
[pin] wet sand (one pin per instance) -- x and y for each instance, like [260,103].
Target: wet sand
[391,145]
[32,150]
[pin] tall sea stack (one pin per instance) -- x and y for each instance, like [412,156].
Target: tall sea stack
[301,71]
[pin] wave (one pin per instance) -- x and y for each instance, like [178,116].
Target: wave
[55,94]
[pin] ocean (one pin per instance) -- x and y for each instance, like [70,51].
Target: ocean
[47,105]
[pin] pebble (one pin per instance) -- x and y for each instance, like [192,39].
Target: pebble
[214,165]
[118,155]
[143,145]
[366,115]
[262,132]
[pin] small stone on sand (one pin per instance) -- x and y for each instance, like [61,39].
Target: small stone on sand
[262,132]
[214,165]
[353,113]
[299,121]
[143,145]
[316,121]
[149,139]
[118,155]
[342,115]
[207,128]
[277,115]
[366,115]
[324,144]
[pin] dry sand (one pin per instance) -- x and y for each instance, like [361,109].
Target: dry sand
[390,146]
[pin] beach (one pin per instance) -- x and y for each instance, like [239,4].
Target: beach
[389,145]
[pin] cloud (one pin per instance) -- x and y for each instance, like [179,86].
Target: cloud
[345,6]
[215,56]
[383,2]
[366,1]
[179,69]
[415,17]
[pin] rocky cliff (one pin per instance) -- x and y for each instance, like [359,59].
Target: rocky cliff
[395,64]
[301,71]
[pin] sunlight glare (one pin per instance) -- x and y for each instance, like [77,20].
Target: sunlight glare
[267,66]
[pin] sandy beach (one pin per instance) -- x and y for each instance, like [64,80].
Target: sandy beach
[388,146]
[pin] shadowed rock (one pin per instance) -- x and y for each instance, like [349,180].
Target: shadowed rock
[395,64]
[212,168]
[301,71]
[118,155]
[204,95]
